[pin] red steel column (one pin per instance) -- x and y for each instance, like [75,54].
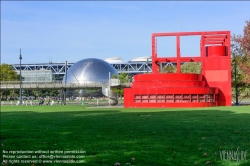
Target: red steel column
[178,53]
[154,55]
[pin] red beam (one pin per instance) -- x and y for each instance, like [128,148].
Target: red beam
[215,39]
[215,36]
[181,59]
[213,42]
[191,33]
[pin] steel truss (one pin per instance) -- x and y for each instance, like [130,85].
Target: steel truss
[58,69]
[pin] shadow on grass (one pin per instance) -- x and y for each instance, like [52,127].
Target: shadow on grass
[183,137]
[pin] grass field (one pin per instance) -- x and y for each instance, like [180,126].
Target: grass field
[139,137]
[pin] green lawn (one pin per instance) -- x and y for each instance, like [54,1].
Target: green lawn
[139,137]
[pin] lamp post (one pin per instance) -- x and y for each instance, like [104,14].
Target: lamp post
[64,94]
[20,99]
[236,83]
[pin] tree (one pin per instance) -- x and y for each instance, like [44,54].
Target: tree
[240,49]
[7,73]
[168,69]
[191,67]
[44,92]
[188,67]
[124,78]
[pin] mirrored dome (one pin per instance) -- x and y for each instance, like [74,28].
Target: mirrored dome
[92,70]
[89,70]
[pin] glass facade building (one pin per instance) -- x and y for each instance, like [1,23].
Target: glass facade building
[41,75]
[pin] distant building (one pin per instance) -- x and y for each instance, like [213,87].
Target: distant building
[114,60]
[41,75]
[141,59]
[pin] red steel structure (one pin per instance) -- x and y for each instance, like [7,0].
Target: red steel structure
[210,88]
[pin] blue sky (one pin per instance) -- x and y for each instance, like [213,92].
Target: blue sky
[64,30]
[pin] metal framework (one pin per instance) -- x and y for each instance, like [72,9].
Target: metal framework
[133,67]
[58,69]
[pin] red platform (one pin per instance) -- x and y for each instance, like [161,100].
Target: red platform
[211,88]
